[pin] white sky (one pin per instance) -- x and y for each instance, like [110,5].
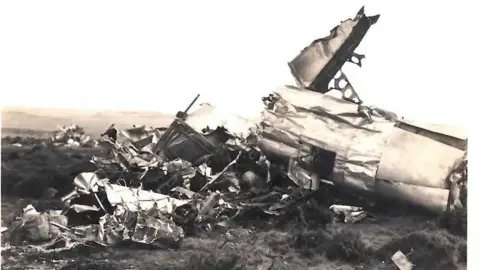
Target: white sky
[157,55]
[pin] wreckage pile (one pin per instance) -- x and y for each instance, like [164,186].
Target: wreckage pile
[72,136]
[205,171]
[148,188]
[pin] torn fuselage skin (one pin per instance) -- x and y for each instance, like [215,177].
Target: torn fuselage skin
[327,140]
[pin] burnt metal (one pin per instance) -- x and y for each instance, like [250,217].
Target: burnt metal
[356,59]
[182,141]
[316,65]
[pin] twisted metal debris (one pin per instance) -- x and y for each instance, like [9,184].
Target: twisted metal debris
[72,135]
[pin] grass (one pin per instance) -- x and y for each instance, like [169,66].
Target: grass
[25,133]
[28,172]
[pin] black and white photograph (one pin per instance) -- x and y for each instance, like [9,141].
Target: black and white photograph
[236,135]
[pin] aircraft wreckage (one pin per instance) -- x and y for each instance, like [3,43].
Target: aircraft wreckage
[323,139]
[153,182]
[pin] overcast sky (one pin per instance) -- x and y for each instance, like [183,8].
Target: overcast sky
[157,55]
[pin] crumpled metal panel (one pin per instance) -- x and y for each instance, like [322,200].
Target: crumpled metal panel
[86,182]
[139,133]
[349,214]
[370,157]
[276,150]
[300,100]
[364,154]
[301,119]
[318,63]
[110,231]
[136,200]
[302,177]
[208,115]
[300,126]
[149,229]
[414,159]
[182,141]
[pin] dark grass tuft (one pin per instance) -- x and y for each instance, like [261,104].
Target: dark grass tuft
[29,172]
[455,222]
[89,265]
[312,243]
[427,249]
[348,246]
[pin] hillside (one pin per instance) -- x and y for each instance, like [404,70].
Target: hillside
[94,122]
